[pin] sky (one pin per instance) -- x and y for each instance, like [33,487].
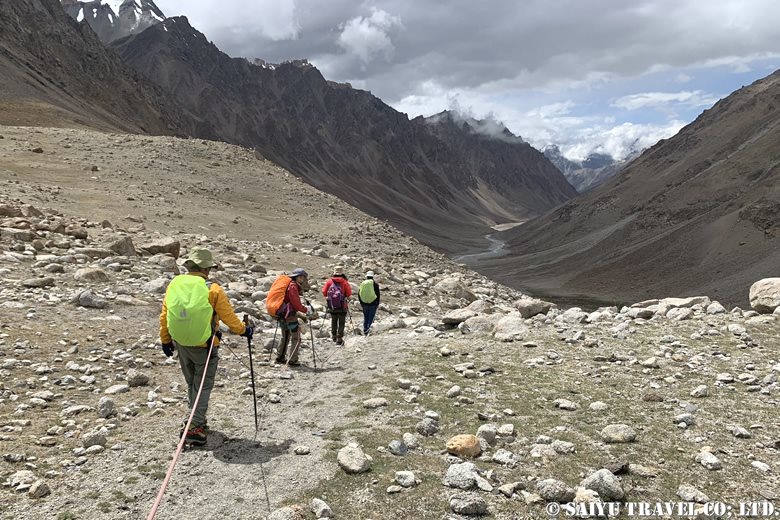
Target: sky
[591,76]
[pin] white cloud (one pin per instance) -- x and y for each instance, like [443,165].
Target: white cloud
[368,37]
[274,20]
[617,141]
[664,100]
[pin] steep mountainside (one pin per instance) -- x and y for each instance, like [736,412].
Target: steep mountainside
[438,181]
[55,71]
[697,213]
[113,19]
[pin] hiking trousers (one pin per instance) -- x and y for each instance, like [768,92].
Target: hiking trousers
[193,361]
[291,330]
[369,313]
[338,320]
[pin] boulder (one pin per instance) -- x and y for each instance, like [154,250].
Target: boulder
[353,460]
[123,246]
[530,307]
[455,288]
[606,484]
[457,316]
[510,328]
[765,295]
[168,246]
[464,446]
[90,274]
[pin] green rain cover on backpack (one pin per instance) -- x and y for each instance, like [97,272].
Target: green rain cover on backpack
[189,311]
[366,292]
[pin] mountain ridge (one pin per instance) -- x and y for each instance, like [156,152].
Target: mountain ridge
[350,143]
[696,213]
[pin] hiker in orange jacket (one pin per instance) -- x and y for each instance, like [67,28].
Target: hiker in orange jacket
[192,358]
[294,309]
[337,303]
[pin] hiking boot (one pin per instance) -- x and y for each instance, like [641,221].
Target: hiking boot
[196,436]
[280,361]
[339,341]
[294,363]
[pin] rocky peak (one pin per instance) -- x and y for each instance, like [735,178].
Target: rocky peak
[114,19]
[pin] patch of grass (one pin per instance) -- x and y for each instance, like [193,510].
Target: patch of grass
[337,433]
[104,507]
[131,479]
[120,495]
[158,474]
[93,494]
[66,515]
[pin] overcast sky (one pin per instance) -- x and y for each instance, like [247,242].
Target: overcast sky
[588,75]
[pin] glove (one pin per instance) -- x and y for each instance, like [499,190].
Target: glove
[167,349]
[303,316]
[248,332]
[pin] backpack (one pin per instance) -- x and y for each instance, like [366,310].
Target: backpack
[366,292]
[335,297]
[189,311]
[274,302]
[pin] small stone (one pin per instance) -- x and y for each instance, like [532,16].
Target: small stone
[376,402]
[454,391]
[565,404]
[760,466]
[709,460]
[598,406]
[106,407]
[117,389]
[461,476]
[136,378]
[700,391]
[93,439]
[352,459]
[606,484]
[469,504]
[691,494]
[320,508]
[427,427]
[553,490]
[391,490]
[39,489]
[405,479]
[618,433]
[302,450]
[398,448]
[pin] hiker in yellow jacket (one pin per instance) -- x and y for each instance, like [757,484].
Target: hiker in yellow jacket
[191,312]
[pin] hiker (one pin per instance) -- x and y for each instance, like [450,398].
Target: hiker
[293,309]
[336,291]
[368,294]
[189,322]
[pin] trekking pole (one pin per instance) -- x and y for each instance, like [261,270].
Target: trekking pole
[273,343]
[311,333]
[247,323]
[351,323]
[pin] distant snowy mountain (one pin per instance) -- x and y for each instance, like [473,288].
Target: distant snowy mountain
[589,173]
[115,19]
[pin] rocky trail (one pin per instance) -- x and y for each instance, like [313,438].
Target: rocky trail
[469,398]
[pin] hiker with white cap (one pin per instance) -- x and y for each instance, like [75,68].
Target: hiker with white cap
[294,309]
[189,323]
[336,291]
[368,294]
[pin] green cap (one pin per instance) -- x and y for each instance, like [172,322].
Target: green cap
[201,258]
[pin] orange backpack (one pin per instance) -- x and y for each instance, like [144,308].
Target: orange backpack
[275,298]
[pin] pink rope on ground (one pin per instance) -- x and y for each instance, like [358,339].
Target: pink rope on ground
[179,448]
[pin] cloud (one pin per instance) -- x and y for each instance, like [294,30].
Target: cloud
[238,20]
[554,71]
[664,100]
[368,37]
